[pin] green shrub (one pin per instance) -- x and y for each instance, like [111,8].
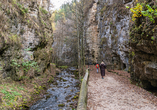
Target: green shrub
[23,9]
[151,13]
[138,11]
[26,65]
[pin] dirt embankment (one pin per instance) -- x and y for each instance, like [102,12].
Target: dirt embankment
[20,95]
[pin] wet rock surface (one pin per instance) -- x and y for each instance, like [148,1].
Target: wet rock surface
[62,94]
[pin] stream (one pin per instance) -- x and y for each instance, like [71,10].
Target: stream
[62,94]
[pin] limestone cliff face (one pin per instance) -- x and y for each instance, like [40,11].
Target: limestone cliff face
[26,38]
[92,34]
[112,36]
[107,32]
[113,23]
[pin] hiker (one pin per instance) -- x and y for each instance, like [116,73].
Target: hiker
[97,67]
[102,69]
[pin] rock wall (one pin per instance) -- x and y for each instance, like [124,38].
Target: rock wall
[113,26]
[26,38]
[91,35]
[143,43]
[116,39]
[108,32]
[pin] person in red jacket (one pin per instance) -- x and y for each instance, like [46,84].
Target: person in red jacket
[97,67]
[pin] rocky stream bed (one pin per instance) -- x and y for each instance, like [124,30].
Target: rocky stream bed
[62,94]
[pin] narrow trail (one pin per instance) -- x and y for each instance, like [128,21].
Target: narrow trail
[116,93]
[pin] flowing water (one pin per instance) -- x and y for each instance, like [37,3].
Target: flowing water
[62,94]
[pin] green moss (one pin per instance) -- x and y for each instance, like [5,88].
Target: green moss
[61,105]
[55,83]
[50,79]
[64,80]
[111,23]
[23,9]
[53,64]
[43,11]
[133,53]
[75,97]
[63,67]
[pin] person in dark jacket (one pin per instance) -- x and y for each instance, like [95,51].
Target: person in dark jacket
[102,69]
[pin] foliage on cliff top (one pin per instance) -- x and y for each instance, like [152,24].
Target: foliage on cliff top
[138,11]
[144,22]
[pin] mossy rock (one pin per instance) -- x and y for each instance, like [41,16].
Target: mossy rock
[64,80]
[75,97]
[55,83]
[67,86]
[44,87]
[51,79]
[68,100]
[67,97]
[63,67]
[60,78]
[61,105]
[76,73]
[47,97]
[24,106]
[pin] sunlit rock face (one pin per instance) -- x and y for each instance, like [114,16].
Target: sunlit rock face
[28,37]
[114,42]
[107,33]
[31,39]
[91,35]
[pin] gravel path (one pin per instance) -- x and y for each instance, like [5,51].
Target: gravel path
[116,93]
